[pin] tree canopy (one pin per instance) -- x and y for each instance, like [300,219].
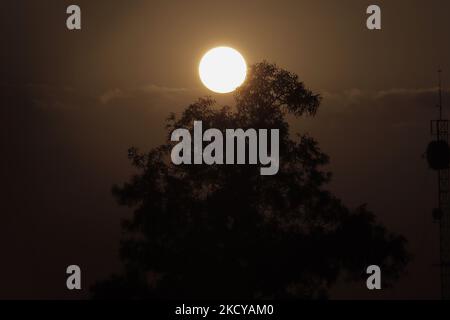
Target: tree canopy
[225,231]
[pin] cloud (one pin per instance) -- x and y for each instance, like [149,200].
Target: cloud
[44,96]
[158,89]
[111,95]
[146,93]
[360,98]
[53,97]
[397,108]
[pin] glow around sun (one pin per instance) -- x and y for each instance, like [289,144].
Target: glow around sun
[222,69]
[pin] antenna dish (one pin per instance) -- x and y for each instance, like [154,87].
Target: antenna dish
[438,155]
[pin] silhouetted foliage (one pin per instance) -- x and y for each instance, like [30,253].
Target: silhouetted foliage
[225,231]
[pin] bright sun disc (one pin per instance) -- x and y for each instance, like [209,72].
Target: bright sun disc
[222,69]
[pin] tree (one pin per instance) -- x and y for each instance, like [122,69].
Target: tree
[223,231]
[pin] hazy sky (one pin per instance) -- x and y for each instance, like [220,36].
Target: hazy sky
[72,102]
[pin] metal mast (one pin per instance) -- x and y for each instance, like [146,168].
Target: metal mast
[440,133]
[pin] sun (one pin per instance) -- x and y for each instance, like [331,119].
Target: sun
[222,69]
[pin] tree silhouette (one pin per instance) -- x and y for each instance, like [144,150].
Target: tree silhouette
[224,231]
